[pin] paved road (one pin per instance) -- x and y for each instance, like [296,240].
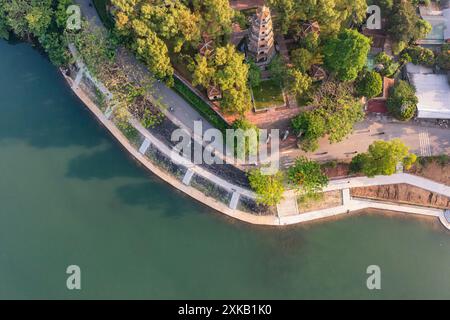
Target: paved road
[423,141]
[181,109]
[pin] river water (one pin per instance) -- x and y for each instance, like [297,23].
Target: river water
[69,195]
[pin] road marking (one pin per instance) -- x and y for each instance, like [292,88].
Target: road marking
[425,144]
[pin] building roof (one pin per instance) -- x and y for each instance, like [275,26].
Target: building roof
[440,22]
[433,92]
[446,14]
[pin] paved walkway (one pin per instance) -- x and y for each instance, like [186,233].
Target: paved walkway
[423,141]
[289,215]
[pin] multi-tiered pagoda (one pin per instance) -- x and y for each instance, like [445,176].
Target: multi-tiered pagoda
[261,43]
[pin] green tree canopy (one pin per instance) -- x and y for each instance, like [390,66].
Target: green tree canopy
[227,69]
[336,112]
[217,16]
[369,84]
[332,15]
[307,176]
[269,189]
[249,148]
[346,54]
[443,59]
[404,24]
[299,83]
[402,101]
[421,56]
[383,158]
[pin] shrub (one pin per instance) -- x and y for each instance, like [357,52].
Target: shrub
[369,84]
[421,56]
[402,101]
[269,189]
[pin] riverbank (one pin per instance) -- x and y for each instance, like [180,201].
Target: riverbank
[287,217]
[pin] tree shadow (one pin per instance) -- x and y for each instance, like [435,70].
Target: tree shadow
[106,163]
[157,197]
[37,106]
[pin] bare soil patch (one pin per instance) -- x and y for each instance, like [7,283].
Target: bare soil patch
[326,200]
[403,194]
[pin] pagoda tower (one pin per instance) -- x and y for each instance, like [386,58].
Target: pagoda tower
[261,43]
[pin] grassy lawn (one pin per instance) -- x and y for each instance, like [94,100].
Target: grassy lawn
[100,6]
[268,95]
[201,106]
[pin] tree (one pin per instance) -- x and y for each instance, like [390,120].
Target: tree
[278,70]
[243,124]
[28,17]
[443,59]
[254,74]
[302,59]
[4,29]
[307,176]
[269,189]
[217,16]
[332,15]
[389,66]
[402,101]
[203,73]
[299,83]
[228,70]
[383,157]
[404,25]
[421,56]
[310,126]
[56,48]
[336,112]
[369,84]
[153,51]
[346,54]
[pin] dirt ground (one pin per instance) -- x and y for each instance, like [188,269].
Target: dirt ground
[336,171]
[404,194]
[329,200]
[433,170]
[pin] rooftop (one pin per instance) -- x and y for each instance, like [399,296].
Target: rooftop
[433,92]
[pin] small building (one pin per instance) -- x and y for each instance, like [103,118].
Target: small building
[440,22]
[214,93]
[317,73]
[261,42]
[206,46]
[432,91]
[307,28]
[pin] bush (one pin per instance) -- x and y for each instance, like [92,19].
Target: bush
[443,59]
[421,56]
[268,188]
[389,66]
[249,148]
[356,166]
[402,101]
[369,84]
[382,158]
[307,176]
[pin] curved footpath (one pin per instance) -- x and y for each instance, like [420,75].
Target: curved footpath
[288,213]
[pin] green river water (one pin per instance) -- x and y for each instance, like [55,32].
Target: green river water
[70,195]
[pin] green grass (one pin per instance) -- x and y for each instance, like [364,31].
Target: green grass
[201,106]
[100,6]
[268,95]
